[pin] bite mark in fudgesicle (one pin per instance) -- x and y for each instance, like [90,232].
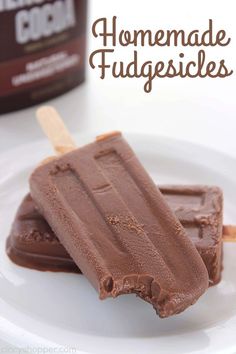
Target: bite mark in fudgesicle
[117,227]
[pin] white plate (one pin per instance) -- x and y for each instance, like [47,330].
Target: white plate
[42,310]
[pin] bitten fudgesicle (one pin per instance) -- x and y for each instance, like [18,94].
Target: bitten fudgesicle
[117,226]
[33,244]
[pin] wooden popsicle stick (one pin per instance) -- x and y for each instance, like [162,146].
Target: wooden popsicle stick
[229,233]
[55,129]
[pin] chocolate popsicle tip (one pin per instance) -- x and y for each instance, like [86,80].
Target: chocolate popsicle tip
[33,244]
[117,227]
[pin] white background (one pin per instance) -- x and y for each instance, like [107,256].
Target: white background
[199,110]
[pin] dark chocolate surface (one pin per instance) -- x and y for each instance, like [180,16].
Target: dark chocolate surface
[200,211]
[117,226]
[33,244]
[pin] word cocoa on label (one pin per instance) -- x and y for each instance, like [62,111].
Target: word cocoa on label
[44,21]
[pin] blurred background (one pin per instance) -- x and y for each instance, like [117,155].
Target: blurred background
[197,110]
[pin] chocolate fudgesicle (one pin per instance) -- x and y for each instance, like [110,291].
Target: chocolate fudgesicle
[33,244]
[200,211]
[117,226]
